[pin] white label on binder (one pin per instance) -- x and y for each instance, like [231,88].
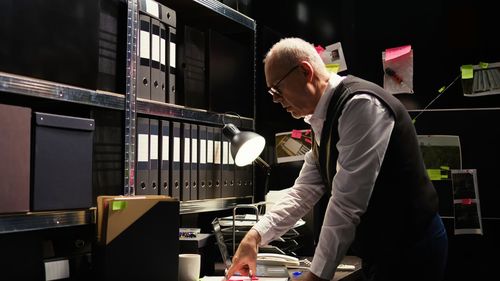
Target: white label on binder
[231,159]
[217,153]
[155,48]
[210,151]
[186,150]
[203,151]
[142,148]
[162,51]
[154,147]
[144,44]
[194,150]
[172,54]
[164,152]
[152,8]
[177,149]
[225,150]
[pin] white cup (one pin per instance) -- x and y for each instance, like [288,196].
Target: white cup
[189,267]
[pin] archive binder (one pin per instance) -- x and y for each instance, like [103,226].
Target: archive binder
[163,58]
[165,158]
[144,69]
[194,162]
[154,131]
[142,152]
[172,64]
[202,163]
[209,193]
[176,160]
[226,189]
[186,162]
[156,93]
[217,168]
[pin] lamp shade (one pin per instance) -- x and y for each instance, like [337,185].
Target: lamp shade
[245,146]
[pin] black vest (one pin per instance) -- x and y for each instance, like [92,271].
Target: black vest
[403,199]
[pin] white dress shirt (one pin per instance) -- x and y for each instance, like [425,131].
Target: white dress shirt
[365,127]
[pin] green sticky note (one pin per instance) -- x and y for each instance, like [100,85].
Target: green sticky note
[118,205]
[483,64]
[444,176]
[434,174]
[441,89]
[467,71]
[333,67]
[446,168]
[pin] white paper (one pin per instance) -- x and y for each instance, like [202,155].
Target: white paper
[333,54]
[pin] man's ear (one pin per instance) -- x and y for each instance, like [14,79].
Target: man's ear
[307,70]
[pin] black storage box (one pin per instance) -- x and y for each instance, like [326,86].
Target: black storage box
[62,162]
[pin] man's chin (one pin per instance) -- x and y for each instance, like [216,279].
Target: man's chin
[295,115]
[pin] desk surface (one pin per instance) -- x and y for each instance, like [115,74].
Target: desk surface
[340,275]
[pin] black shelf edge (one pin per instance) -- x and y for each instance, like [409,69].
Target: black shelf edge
[22,85]
[228,12]
[10,223]
[208,205]
[191,114]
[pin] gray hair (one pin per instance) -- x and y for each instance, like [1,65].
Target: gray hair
[290,51]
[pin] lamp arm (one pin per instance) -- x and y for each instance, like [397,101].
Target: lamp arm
[263,164]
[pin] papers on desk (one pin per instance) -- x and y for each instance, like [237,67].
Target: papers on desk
[243,278]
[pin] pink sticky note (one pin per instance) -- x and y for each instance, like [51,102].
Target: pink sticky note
[393,53]
[319,49]
[467,201]
[296,134]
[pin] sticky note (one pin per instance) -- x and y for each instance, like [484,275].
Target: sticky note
[441,89]
[319,49]
[396,52]
[446,168]
[296,134]
[483,64]
[467,71]
[118,205]
[467,201]
[434,174]
[333,67]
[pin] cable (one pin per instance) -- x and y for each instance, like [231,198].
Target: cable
[441,92]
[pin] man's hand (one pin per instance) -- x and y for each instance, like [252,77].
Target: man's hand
[245,258]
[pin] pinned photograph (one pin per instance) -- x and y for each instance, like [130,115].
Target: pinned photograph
[333,57]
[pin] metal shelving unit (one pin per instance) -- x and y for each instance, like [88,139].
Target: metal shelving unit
[12,84]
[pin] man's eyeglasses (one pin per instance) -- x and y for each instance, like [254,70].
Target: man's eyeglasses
[273,90]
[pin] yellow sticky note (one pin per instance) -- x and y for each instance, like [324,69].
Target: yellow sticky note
[333,67]
[446,168]
[118,205]
[441,89]
[434,174]
[467,71]
[483,64]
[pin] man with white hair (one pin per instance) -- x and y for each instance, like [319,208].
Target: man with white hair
[365,171]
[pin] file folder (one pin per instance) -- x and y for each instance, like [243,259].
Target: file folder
[150,7]
[176,160]
[232,172]
[163,62]
[165,158]
[172,64]
[156,93]
[131,230]
[194,162]
[248,180]
[144,69]
[15,127]
[154,132]
[226,189]
[202,163]
[238,180]
[142,152]
[217,170]
[209,193]
[186,162]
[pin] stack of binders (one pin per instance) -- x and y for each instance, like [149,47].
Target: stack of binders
[157,51]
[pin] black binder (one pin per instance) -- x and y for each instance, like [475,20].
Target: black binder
[165,158]
[217,168]
[142,154]
[209,193]
[202,163]
[163,62]
[194,162]
[186,162]
[144,69]
[156,93]
[172,64]
[175,144]
[154,132]
[227,176]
